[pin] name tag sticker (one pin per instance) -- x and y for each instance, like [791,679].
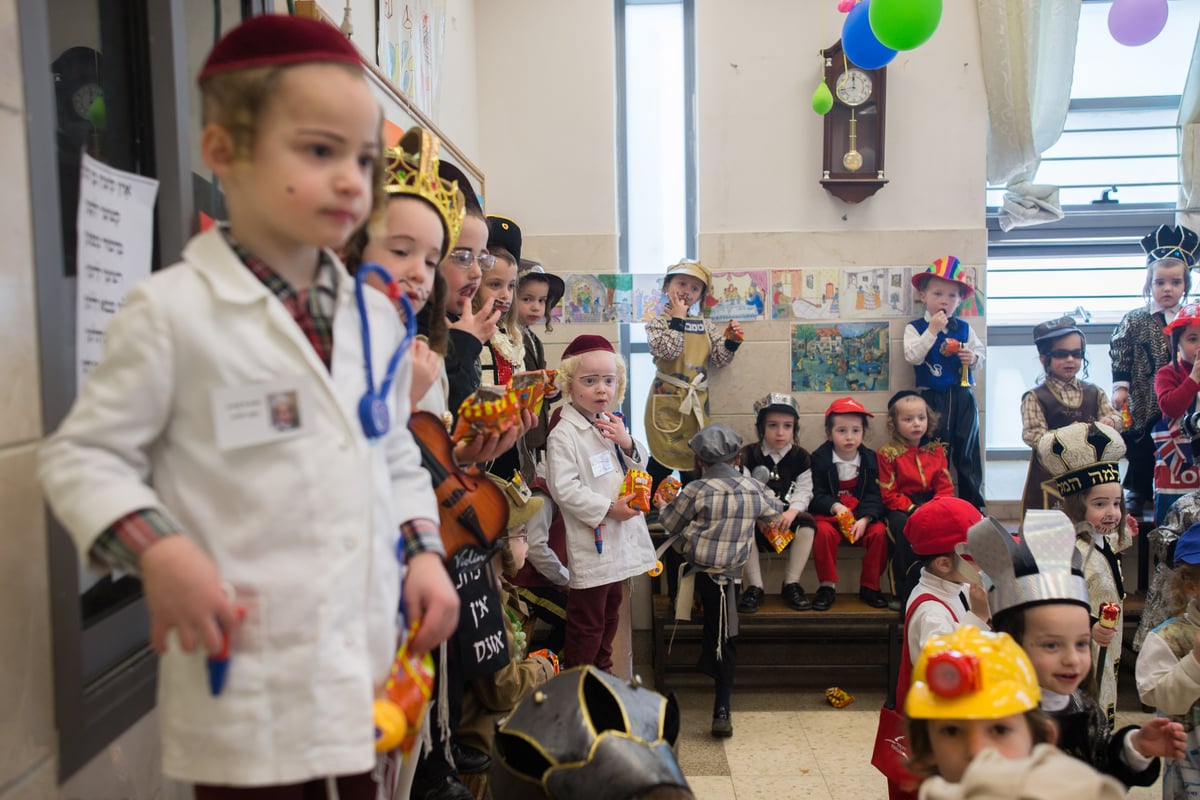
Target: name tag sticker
[602,464]
[261,412]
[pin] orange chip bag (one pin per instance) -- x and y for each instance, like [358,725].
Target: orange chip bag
[778,535]
[490,409]
[667,491]
[637,482]
[838,697]
[408,689]
[732,333]
[845,521]
[530,388]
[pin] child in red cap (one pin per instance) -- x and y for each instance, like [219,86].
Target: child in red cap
[846,483]
[167,465]
[943,351]
[587,455]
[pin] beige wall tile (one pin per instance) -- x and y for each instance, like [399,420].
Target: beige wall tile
[572,252]
[20,412]
[27,724]
[38,785]
[12,93]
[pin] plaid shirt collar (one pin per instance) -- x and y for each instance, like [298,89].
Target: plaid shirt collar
[312,308]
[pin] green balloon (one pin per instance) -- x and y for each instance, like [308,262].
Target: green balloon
[98,113]
[822,100]
[904,24]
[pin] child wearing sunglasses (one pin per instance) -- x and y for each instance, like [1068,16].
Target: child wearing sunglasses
[1060,398]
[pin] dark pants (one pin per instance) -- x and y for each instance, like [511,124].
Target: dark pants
[549,604]
[592,618]
[720,670]
[959,429]
[1139,450]
[349,787]
[904,568]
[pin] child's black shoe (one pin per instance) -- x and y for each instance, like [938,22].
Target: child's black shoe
[824,598]
[752,598]
[794,596]
[872,597]
[722,725]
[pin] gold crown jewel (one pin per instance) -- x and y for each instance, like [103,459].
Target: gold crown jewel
[412,168]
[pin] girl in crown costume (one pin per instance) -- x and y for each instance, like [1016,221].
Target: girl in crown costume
[1176,386]
[1140,349]
[1060,399]
[1039,597]
[1167,673]
[1082,460]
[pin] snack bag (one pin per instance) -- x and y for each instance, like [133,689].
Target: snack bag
[668,490]
[733,334]
[530,388]
[778,535]
[637,482]
[490,409]
[838,697]
[845,521]
[398,715]
[951,346]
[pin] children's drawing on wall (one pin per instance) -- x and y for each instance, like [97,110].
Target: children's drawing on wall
[805,293]
[843,357]
[648,300]
[738,295]
[596,298]
[876,292]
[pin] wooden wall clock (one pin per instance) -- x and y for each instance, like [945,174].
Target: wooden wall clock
[852,168]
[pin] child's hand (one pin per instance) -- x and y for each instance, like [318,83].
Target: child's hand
[938,322]
[1120,398]
[788,517]
[677,305]
[858,529]
[431,598]
[1195,371]
[1131,525]
[621,509]
[966,356]
[1103,636]
[614,430]
[183,591]
[480,324]
[736,330]
[1160,737]
[837,508]
[977,601]
[426,367]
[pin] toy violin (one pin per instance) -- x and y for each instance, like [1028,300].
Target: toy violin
[473,510]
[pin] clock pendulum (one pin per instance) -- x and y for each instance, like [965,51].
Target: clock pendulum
[853,160]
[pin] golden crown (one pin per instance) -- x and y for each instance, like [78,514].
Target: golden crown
[412,168]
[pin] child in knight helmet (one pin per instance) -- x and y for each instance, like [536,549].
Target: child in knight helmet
[912,471]
[976,729]
[846,479]
[291,130]
[1139,350]
[1176,386]
[1061,399]
[788,475]
[1168,666]
[683,347]
[1041,600]
[587,454]
[944,351]
[715,518]
[1082,458]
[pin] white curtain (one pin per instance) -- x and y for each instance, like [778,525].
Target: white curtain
[1028,49]
[1189,145]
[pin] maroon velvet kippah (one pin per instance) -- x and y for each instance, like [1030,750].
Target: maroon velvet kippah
[278,39]
[587,343]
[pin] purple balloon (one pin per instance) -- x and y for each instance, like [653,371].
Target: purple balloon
[1136,22]
[859,42]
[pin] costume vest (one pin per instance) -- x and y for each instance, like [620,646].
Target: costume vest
[678,405]
[783,472]
[1057,416]
[938,371]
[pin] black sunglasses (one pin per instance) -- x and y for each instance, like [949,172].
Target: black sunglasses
[1078,354]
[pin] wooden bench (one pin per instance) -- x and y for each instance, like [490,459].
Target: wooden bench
[844,646]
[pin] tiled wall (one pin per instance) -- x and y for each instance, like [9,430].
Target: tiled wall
[27,744]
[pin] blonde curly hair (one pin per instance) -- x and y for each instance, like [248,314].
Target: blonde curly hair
[569,366]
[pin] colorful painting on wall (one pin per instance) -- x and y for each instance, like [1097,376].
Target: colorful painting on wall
[876,292]
[596,298]
[738,295]
[805,293]
[841,357]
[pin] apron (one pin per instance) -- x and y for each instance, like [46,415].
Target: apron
[678,404]
[1057,416]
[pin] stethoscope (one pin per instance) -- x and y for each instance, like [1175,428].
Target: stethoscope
[372,408]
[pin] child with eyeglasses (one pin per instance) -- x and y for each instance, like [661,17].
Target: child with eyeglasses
[1060,399]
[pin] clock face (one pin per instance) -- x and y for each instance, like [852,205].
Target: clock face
[853,87]
[81,100]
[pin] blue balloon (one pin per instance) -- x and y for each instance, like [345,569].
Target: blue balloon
[859,42]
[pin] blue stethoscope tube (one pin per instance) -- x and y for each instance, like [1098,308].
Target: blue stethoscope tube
[372,408]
